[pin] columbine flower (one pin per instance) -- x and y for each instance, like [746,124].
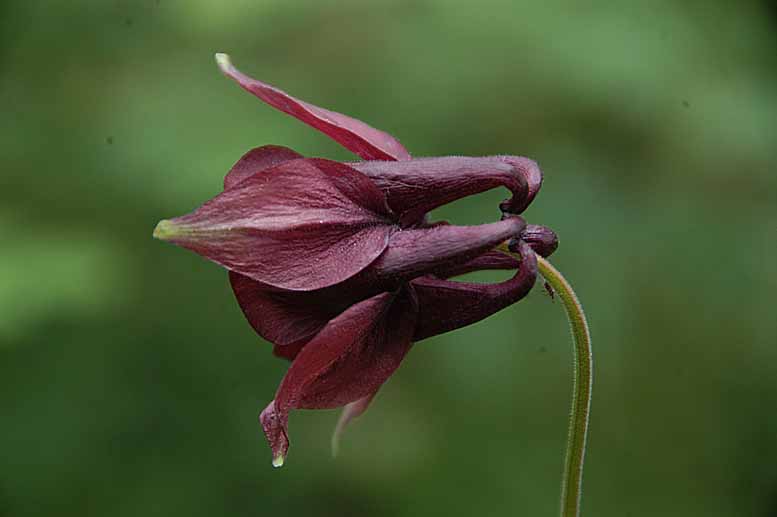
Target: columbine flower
[335,263]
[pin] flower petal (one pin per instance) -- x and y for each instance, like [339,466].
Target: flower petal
[302,225]
[446,305]
[274,426]
[257,160]
[285,318]
[419,251]
[348,360]
[419,185]
[353,134]
[289,319]
[289,352]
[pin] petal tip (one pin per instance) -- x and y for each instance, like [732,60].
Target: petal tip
[166,230]
[274,430]
[335,443]
[224,62]
[180,231]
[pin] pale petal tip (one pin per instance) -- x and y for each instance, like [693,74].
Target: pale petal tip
[339,429]
[224,62]
[335,444]
[165,230]
[278,460]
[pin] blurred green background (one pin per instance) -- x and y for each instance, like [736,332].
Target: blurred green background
[130,382]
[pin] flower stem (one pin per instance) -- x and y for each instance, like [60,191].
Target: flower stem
[582,382]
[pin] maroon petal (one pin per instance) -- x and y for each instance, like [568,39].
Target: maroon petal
[289,352]
[417,251]
[302,225]
[274,426]
[348,360]
[288,319]
[417,186]
[446,305]
[257,160]
[354,135]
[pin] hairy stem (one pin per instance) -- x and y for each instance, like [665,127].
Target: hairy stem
[572,480]
[582,382]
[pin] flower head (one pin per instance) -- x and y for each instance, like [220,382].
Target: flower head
[336,264]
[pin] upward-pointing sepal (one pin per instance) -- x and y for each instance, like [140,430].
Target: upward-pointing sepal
[353,134]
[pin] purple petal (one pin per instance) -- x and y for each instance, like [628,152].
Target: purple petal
[289,352]
[417,251]
[302,225]
[289,319]
[446,305]
[285,318]
[257,160]
[354,135]
[348,360]
[417,186]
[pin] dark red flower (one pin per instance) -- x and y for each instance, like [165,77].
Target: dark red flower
[336,264]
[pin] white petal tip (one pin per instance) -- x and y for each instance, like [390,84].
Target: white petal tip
[277,461]
[224,62]
[165,230]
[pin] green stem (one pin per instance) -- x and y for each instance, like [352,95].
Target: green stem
[572,481]
[582,382]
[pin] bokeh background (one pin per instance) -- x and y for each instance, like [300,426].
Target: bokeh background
[130,382]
